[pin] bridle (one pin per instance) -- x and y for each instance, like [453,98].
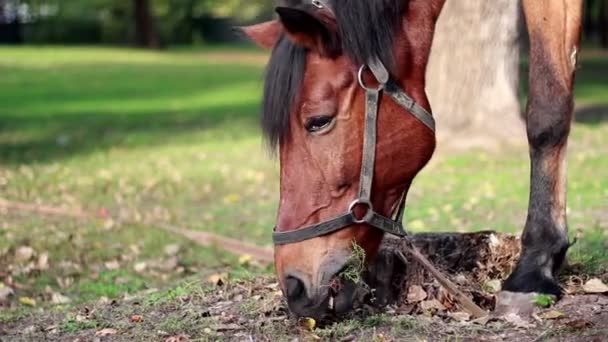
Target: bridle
[392,225]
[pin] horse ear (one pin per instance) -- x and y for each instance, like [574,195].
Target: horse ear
[265,34]
[317,33]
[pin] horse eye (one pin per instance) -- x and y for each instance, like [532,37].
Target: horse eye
[317,123]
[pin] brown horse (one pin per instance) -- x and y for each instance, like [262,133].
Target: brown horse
[345,103]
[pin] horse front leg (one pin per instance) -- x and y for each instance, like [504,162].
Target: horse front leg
[554,27]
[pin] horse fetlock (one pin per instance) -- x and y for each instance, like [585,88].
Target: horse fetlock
[537,271]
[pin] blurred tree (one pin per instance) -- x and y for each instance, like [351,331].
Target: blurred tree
[603,23]
[473,74]
[145,27]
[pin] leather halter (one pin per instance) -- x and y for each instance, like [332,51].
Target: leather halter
[392,225]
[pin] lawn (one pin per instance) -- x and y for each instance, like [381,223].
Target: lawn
[173,137]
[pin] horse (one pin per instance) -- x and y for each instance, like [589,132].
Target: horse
[344,103]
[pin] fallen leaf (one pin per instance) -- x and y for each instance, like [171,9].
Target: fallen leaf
[245,259]
[218,279]
[140,267]
[179,338]
[24,253]
[416,294]
[460,316]
[308,323]
[106,332]
[27,301]
[58,298]
[112,265]
[137,318]
[43,261]
[493,286]
[232,199]
[172,250]
[595,286]
[432,304]
[579,324]
[5,292]
[552,314]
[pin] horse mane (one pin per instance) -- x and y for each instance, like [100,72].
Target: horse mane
[366,28]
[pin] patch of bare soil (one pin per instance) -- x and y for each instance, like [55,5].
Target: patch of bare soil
[421,309]
[254,310]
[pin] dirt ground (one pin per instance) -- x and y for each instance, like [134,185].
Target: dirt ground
[253,310]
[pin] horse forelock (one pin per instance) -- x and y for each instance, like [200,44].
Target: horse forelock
[366,28]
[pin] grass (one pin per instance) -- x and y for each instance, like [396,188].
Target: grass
[173,137]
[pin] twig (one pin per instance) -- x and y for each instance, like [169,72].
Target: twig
[46,210]
[261,254]
[465,301]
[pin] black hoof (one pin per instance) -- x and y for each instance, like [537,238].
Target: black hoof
[532,281]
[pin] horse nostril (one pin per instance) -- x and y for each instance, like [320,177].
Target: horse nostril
[294,288]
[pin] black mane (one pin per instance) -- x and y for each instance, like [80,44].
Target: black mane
[366,29]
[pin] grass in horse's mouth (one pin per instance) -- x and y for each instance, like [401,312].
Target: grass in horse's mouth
[355,265]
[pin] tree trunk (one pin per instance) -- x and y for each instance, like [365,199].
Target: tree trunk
[3,16]
[145,30]
[478,257]
[603,24]
[473,74]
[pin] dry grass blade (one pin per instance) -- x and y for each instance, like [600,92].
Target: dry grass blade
[465,301]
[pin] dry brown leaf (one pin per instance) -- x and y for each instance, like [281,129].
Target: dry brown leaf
[43,261]
[137,318]
[460,316]
[178,338]
[432,304]
[24,253]
[578,324]
[112,265]
[493,286]
[416,294]
[58,298]
[5,292]
[140,267]
[218,279]
[106,332]
[552,314]
[595,286]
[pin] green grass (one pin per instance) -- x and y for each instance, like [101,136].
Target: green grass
[173,137]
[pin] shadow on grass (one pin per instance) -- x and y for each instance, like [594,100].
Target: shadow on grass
[592,114]
[62,136]
[62,111]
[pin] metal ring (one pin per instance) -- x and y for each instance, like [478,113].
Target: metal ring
[362,84]
[368,214]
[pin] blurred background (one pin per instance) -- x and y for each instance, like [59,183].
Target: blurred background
[119,117]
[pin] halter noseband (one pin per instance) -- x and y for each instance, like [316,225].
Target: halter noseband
[392,225]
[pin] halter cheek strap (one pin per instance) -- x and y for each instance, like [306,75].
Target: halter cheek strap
[392,225]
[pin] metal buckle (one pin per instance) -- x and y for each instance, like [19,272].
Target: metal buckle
[362,83]
[368,214]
